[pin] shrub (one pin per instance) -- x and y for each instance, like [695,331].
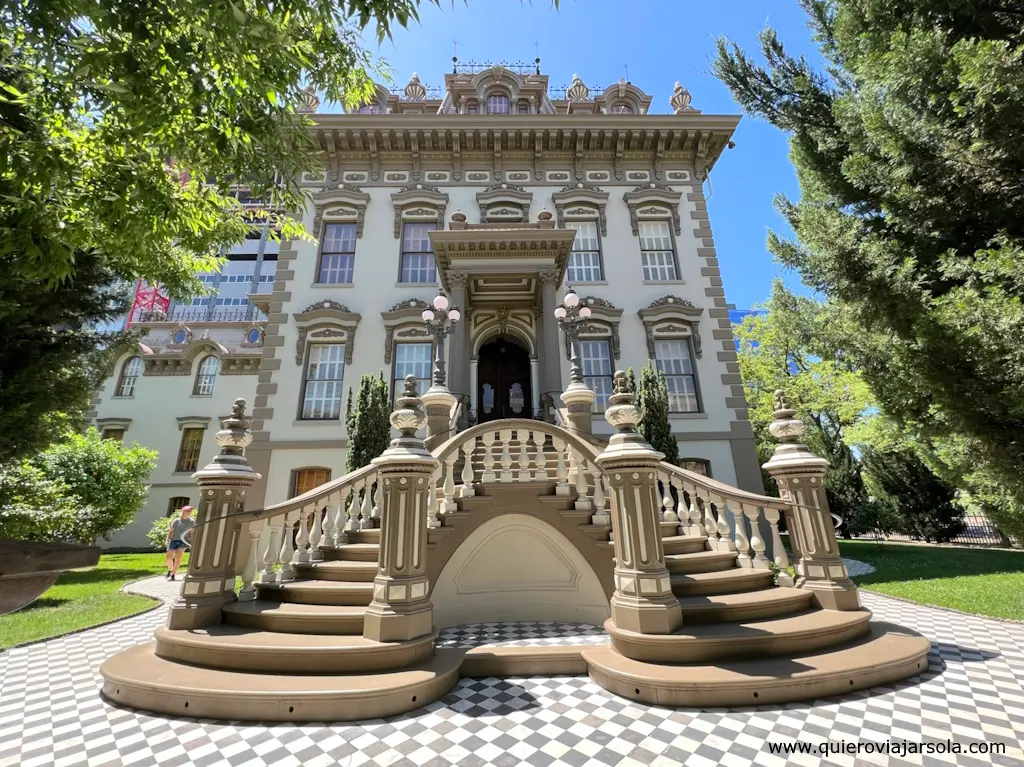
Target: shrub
[158,532]
[35,508]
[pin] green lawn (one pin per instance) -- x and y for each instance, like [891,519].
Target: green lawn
[83,598]
[979,581]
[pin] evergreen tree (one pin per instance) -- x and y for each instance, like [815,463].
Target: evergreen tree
[909,159]
[652,397]
[368,424]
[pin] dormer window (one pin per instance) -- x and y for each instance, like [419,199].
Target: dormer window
[622,109]
[370,109]
[471,108]
[524,107]
[497,104]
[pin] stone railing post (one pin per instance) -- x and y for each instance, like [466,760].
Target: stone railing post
[643,600]
[800,475]
[439,404]
[223,485]
[401,606]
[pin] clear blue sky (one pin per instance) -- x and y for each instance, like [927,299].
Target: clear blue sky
[661,41]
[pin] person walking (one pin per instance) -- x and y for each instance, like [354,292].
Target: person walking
[177,541]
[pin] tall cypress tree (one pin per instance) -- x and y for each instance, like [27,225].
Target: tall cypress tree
[368,424]
[652,397]
[909,159]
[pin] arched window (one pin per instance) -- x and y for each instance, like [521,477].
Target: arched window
[621,109]
[129,377]
[207,376]
[497,104]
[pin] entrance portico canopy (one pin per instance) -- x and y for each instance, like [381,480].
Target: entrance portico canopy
[504,266]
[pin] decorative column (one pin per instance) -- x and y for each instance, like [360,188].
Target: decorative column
[578,397]
[223,485]
[459,374]
[812,533]
[401,608]
[442,321]
[643,600]
[551,381]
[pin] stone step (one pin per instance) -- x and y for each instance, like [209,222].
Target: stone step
[721,581]
[579,517]
[317,592]
[700,562]
[597,532]
[370,535]
[745,605]
[233,648]
[668,529]
[685,544]
[354,552]
[296,618]
[338,570]
[809,631]
[138,678]
[886,653]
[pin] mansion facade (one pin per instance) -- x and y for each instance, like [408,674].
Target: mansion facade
[502,193]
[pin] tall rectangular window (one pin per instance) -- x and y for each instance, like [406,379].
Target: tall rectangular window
[585,259]
[337,255]
[675,361]
[176,504]
[657,251]
[414,358]
[188,453]
[325,369]
[596,361]
[417,254]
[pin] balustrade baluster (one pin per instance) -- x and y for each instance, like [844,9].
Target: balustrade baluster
[760,561]
[488,440]
[337,511]
[433,521]
[696,524]
[272,554]
[252,562]
[316,533]
[523,457]
[352,513]
[375,514]
[740,536]
[287,572]
[506,456]
[725,542]
[778,550]
[582,487]
[710,523]
[561,470]
[301,555]
[366,507]
[600,516]
[670,505]
[449,482]
[468,448]
[678,503]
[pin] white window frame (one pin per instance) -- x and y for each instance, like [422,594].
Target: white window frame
[131,372]
[585,265]
[658,251]
[323,384]
[673,368]
[428,269]
[342,273]
[399,367]
[206,377]
[601,383]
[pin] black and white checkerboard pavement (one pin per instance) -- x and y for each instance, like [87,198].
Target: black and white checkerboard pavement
[51,712]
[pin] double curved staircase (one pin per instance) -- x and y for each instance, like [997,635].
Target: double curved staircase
[291,646]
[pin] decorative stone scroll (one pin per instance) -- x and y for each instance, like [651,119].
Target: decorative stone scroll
[581,200]
[326,319]
[418,202]
[504,202]
[671,317]
[653,201]
[344,203]
[604,322]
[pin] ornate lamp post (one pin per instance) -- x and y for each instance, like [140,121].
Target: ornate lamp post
[579,399]
[440,319]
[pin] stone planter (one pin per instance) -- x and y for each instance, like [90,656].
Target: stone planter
[28,568]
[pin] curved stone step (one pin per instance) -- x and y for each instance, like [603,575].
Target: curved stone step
[137,677]
[353,552]
[370,535]
[745,605]
[295,618]
[721,582]
[807,632]
[700,562]
[234,648]
[317,592]
[685,544]
[338,570]
[887,653]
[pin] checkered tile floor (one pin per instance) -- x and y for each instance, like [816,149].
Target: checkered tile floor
[51,713]
[522,634]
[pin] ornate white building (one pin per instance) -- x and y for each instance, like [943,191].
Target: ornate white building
[503,193]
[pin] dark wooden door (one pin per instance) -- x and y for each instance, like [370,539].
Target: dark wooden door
[503,382]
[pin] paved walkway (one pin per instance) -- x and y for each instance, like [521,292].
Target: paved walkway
[51,712]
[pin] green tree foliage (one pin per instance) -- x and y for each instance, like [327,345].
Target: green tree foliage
[920,503]
[368,424]
[79,489]
[652,398]
[51,358]
[909,160]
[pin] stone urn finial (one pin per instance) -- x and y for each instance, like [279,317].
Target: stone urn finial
[234,435]
[408,416]
[577,91]
[308,101]
[459,216]
[680,99]
[785,428]
[622,412]
[230,463]
[414,90]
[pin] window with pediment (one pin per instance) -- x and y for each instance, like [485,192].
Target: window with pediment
[585,258]
[498,104]
[657,251]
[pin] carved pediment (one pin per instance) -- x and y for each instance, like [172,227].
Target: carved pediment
[344,201]
[648,199]
[504,201]
[672,316]
[418,201]
[409,303]
[586,199]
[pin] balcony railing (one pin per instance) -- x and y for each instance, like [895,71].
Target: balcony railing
[203,314]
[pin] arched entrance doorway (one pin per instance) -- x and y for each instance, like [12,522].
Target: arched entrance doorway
[503,381]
